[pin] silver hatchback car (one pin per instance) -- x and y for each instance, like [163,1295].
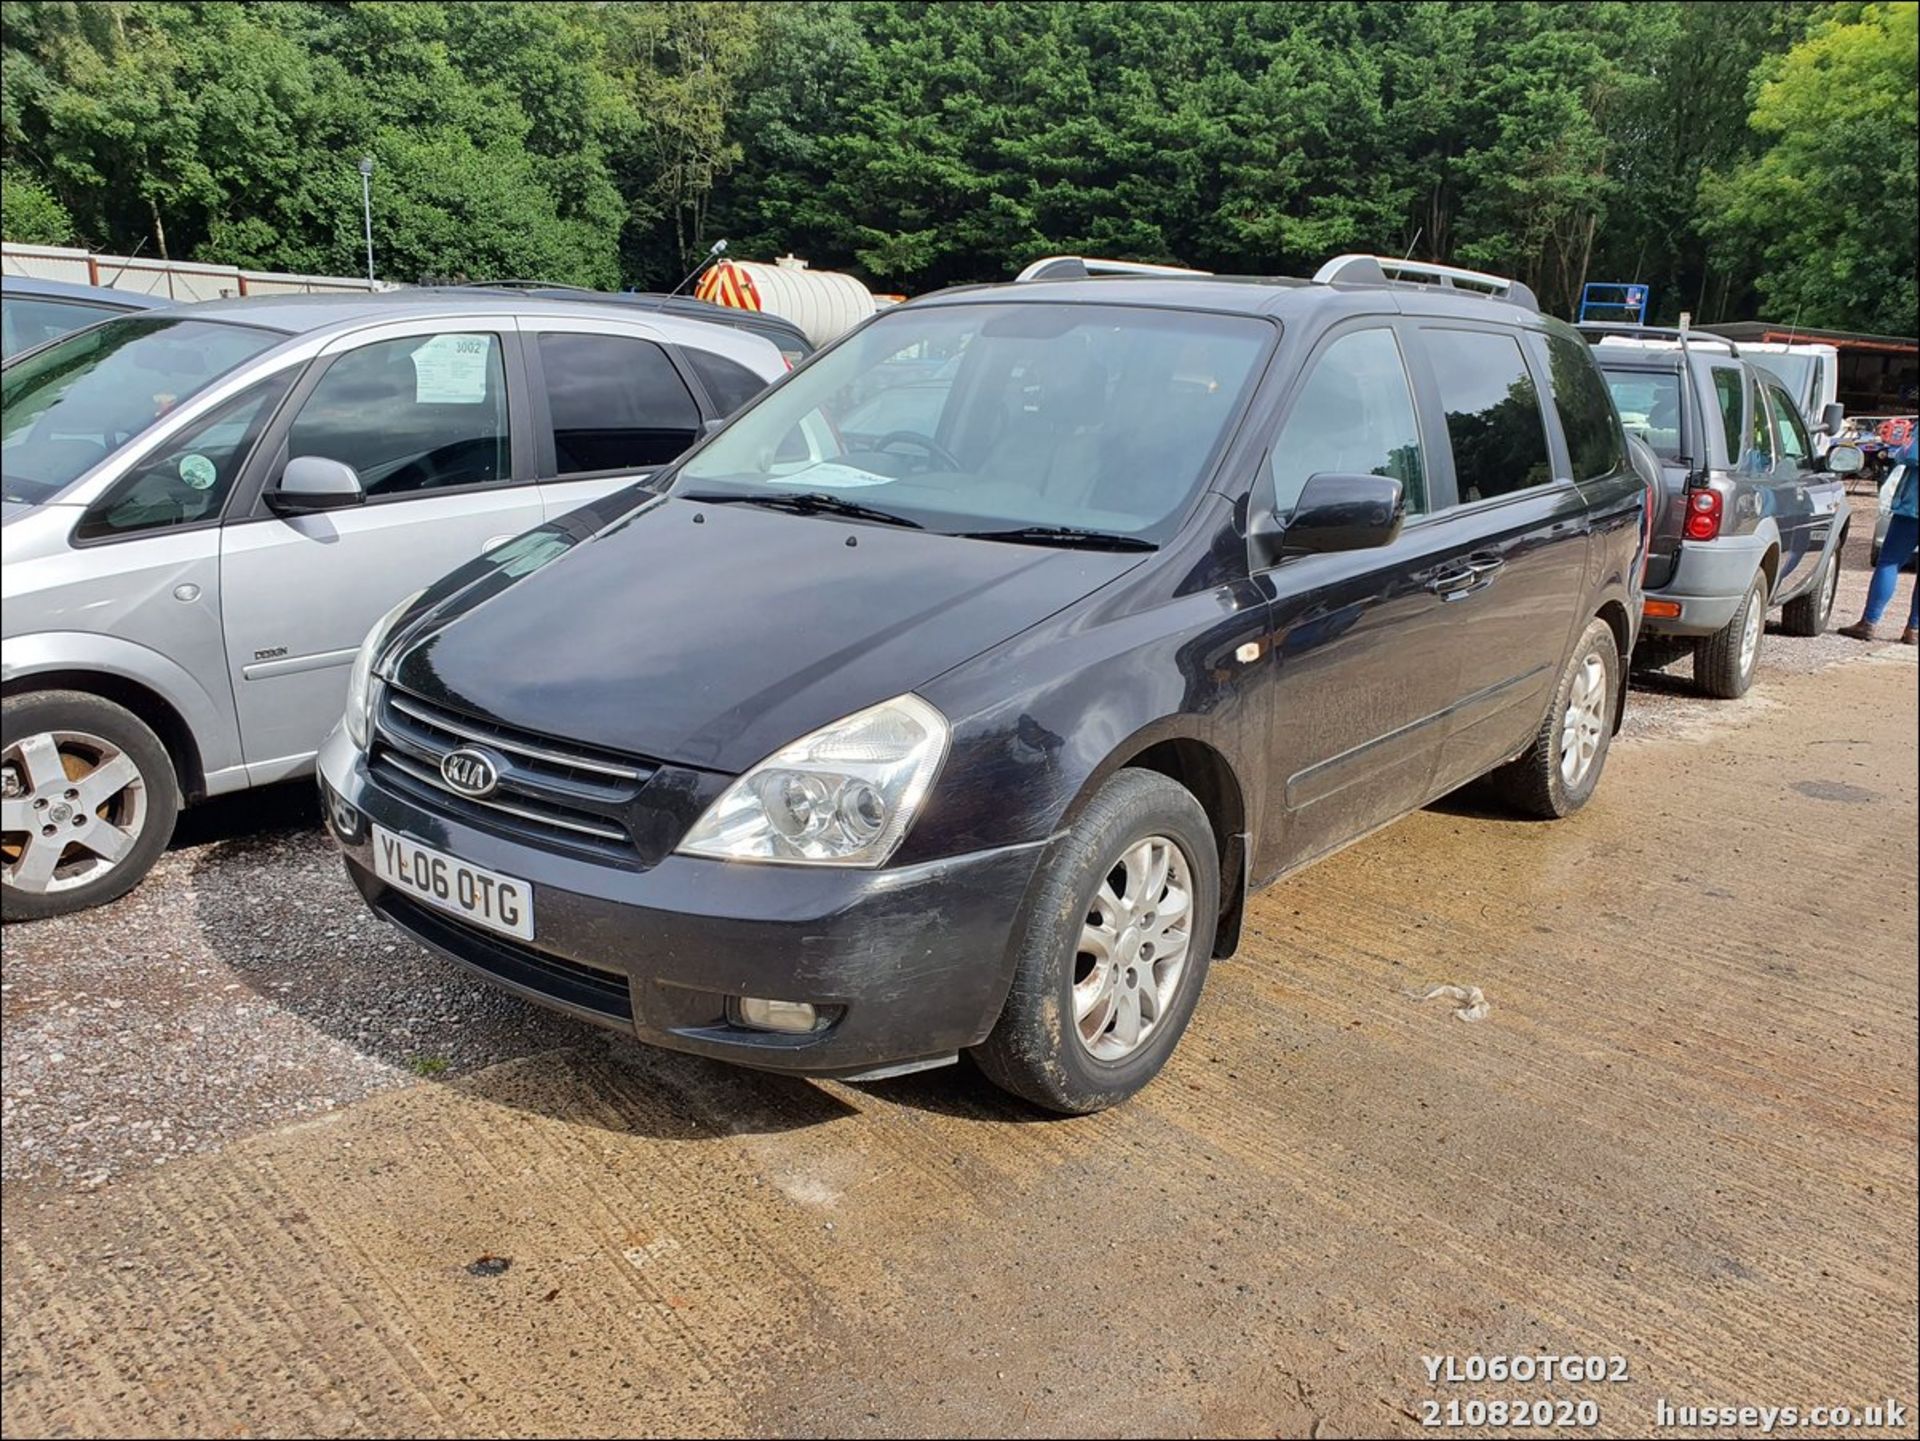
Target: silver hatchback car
[207,509]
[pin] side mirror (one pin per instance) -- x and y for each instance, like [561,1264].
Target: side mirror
[1344,512]
[1832,417]
[312,483]
[1844,459]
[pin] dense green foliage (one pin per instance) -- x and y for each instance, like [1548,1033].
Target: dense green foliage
[1728,154]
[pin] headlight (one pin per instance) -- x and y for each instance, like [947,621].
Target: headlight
[843,796]
[360,687]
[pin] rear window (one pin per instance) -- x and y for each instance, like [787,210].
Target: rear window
[729,385]
[615,403]
[1649,405]
[1581,398]
[1493,413]
[68,407]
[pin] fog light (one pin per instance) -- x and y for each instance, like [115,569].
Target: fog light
[793,1017]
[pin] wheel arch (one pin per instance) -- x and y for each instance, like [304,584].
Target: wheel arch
[1614,613]
[1205,770]
[153,709]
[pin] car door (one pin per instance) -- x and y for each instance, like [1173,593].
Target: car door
[432,417]
[1806,501]
[1517,522]
[1362,663]
[611,405]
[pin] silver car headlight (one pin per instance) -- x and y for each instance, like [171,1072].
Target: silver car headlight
[843,796]
[361,687]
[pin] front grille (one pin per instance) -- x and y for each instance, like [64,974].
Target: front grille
[606,993]
[550,792]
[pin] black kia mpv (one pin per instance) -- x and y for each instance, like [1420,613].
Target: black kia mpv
[843,752]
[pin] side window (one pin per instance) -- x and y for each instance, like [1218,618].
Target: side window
[187,481]
[427,412]
[1794,444]
[1354,416]
[1729,389]
[1586,411]
[729,384]
[615,403]
[1759,456]
[1493,412]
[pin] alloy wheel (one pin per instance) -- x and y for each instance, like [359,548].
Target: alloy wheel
[1133,949]
[1585,722]
[71,806]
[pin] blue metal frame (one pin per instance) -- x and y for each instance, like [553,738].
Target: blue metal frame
[1632,301]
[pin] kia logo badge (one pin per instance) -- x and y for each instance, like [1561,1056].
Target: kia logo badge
[470,772]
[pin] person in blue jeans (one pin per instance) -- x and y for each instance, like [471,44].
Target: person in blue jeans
[1903,536]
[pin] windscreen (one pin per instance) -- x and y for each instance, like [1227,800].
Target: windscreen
[67,407]
[1000,417]
[1649,406]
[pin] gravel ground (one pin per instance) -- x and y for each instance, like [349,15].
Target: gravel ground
[244,985]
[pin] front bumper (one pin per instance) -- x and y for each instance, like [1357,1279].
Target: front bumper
[905,966]
[1709,581]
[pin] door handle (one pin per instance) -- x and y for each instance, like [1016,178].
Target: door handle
[1452,582]
[1485,566]
[1475,573]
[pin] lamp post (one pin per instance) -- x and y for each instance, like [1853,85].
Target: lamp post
[366,209]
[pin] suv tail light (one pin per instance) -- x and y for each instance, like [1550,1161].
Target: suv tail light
[1703,514]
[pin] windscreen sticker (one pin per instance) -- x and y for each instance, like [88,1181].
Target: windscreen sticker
[451,370]
[831,474]
[199,472]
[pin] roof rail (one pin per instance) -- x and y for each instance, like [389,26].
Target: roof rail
[529,285]
[1079,267]
[1386,270]
[1684,334]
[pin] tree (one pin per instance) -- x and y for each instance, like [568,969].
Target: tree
[31,214]
[1826,215]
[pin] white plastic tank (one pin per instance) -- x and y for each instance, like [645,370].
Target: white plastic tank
[823,303]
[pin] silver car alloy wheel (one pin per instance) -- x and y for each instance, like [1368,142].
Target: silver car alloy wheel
[1585,720]
[72,806]
[1751,625]
[1134,944]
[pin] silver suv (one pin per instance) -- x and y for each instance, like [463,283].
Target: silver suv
[207,508]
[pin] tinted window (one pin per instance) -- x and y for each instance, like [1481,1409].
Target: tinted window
[27,321]
[729,384]
[1794,444]
[428,412]
[1354,416]
[1100,417]
[1493,412]
[189,480]
[1759,454]
[616,403]
[68,407]
[1729,392]
[1649,406]
[1585,409]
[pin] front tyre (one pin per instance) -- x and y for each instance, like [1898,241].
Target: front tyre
[1557,773]
[1113,950]
[87,802]
[1724,663]
[1809,614]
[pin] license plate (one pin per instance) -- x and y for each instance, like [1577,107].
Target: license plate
[486,898]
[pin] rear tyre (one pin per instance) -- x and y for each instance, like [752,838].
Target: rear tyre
[1113,950]
[1808,614]
[1558,772]
[1724,663]
[89,803]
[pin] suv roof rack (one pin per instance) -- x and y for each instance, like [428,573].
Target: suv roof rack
[1079,267]
[1683,333]
[1386,270]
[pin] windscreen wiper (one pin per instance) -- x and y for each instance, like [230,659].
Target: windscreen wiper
[1065,536]
[812,502]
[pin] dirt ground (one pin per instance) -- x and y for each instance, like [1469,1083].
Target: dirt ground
[271,1171]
